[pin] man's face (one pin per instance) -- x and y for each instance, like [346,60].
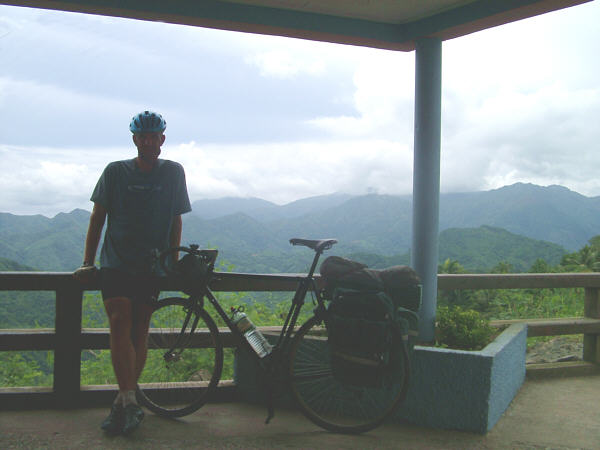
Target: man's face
[148,145]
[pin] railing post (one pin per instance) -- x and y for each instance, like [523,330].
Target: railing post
[67,353]
[591,342]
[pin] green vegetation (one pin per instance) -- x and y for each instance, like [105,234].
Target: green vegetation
[22,309]
[526,303]
[462,329]
[462,314]
[23,369]
[486,247]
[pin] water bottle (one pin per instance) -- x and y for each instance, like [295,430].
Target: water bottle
[254,337]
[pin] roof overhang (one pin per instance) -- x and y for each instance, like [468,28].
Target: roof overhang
[387,24]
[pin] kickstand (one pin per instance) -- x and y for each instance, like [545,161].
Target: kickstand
[270,412]
[269,396]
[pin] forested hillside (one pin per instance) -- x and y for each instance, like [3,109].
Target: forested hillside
[481,249]
[47,244]
[24,309]
[257,241]
[554,213]
[476,250]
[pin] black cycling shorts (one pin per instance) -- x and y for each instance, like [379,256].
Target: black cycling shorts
[138,288]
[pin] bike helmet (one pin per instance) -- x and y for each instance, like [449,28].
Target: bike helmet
[147,122]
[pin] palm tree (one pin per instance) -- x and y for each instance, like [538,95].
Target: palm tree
[451,266]
[503,267]
[456,297]
[585,260]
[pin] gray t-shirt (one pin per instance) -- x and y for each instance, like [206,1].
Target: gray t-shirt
[140,208]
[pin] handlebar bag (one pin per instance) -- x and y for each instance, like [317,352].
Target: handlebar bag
[194,273]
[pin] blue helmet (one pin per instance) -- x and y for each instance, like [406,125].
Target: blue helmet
[147,122]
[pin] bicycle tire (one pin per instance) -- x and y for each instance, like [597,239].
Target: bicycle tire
[180,383]
[330,403]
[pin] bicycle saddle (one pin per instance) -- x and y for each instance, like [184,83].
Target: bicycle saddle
[318,245]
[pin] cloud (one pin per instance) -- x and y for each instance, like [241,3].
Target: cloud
[210,84]
[37,106]
[49,180]
[383,99]
[282,119]
[543,136]
[283,64]
[297,170]
[519,104]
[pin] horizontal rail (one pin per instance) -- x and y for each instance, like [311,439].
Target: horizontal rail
[41,339]
[518,281]
[98,338]
[222,281]
[236,282]
[554,327]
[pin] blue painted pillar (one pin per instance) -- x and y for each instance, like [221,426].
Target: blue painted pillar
[426,177]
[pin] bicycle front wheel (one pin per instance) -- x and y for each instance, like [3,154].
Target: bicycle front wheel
[185,359]
[328,400]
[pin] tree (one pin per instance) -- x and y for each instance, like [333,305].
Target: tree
[595,242]
[456,297]
[540,266]
[585,260]
[16,371]
[503,267]
[451,266]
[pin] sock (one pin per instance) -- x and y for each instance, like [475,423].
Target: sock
[119,399]
[129,398]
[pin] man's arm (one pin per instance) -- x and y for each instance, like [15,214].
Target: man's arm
[94,232]
[92,239]
[175,237]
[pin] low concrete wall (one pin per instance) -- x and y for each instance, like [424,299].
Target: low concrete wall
[250,382]
[452,389]
[466,390]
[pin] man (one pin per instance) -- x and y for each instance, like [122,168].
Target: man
[143,199]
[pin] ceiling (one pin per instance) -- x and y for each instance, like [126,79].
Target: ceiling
[388,24]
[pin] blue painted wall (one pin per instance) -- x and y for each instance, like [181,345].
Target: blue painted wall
[464,390]
[451,389]
[508,370]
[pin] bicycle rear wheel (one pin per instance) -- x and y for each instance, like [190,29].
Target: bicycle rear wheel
[183,367]
[331,403]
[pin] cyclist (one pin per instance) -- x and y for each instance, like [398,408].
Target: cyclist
[143,199]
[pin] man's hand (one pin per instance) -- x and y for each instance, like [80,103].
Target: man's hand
[85,273]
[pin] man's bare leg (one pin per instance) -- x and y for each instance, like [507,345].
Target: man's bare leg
[122,351]
[143,313]
[123,355]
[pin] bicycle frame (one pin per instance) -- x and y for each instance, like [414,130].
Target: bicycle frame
[306,283]
[302,358]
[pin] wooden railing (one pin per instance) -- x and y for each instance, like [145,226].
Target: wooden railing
[589,325]
[68,339]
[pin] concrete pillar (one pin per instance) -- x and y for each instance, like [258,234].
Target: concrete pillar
[426,177]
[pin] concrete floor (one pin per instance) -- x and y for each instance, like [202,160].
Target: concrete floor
[557,413]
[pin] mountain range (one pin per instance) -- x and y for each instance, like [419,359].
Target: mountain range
[520,222]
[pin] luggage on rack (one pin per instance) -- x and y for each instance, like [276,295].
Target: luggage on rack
[371,313]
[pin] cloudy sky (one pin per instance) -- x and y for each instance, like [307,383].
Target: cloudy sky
[283,119]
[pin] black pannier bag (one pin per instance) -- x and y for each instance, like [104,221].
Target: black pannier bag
[366,320]
[360,336]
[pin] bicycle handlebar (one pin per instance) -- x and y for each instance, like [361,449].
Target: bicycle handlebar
[208,256]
